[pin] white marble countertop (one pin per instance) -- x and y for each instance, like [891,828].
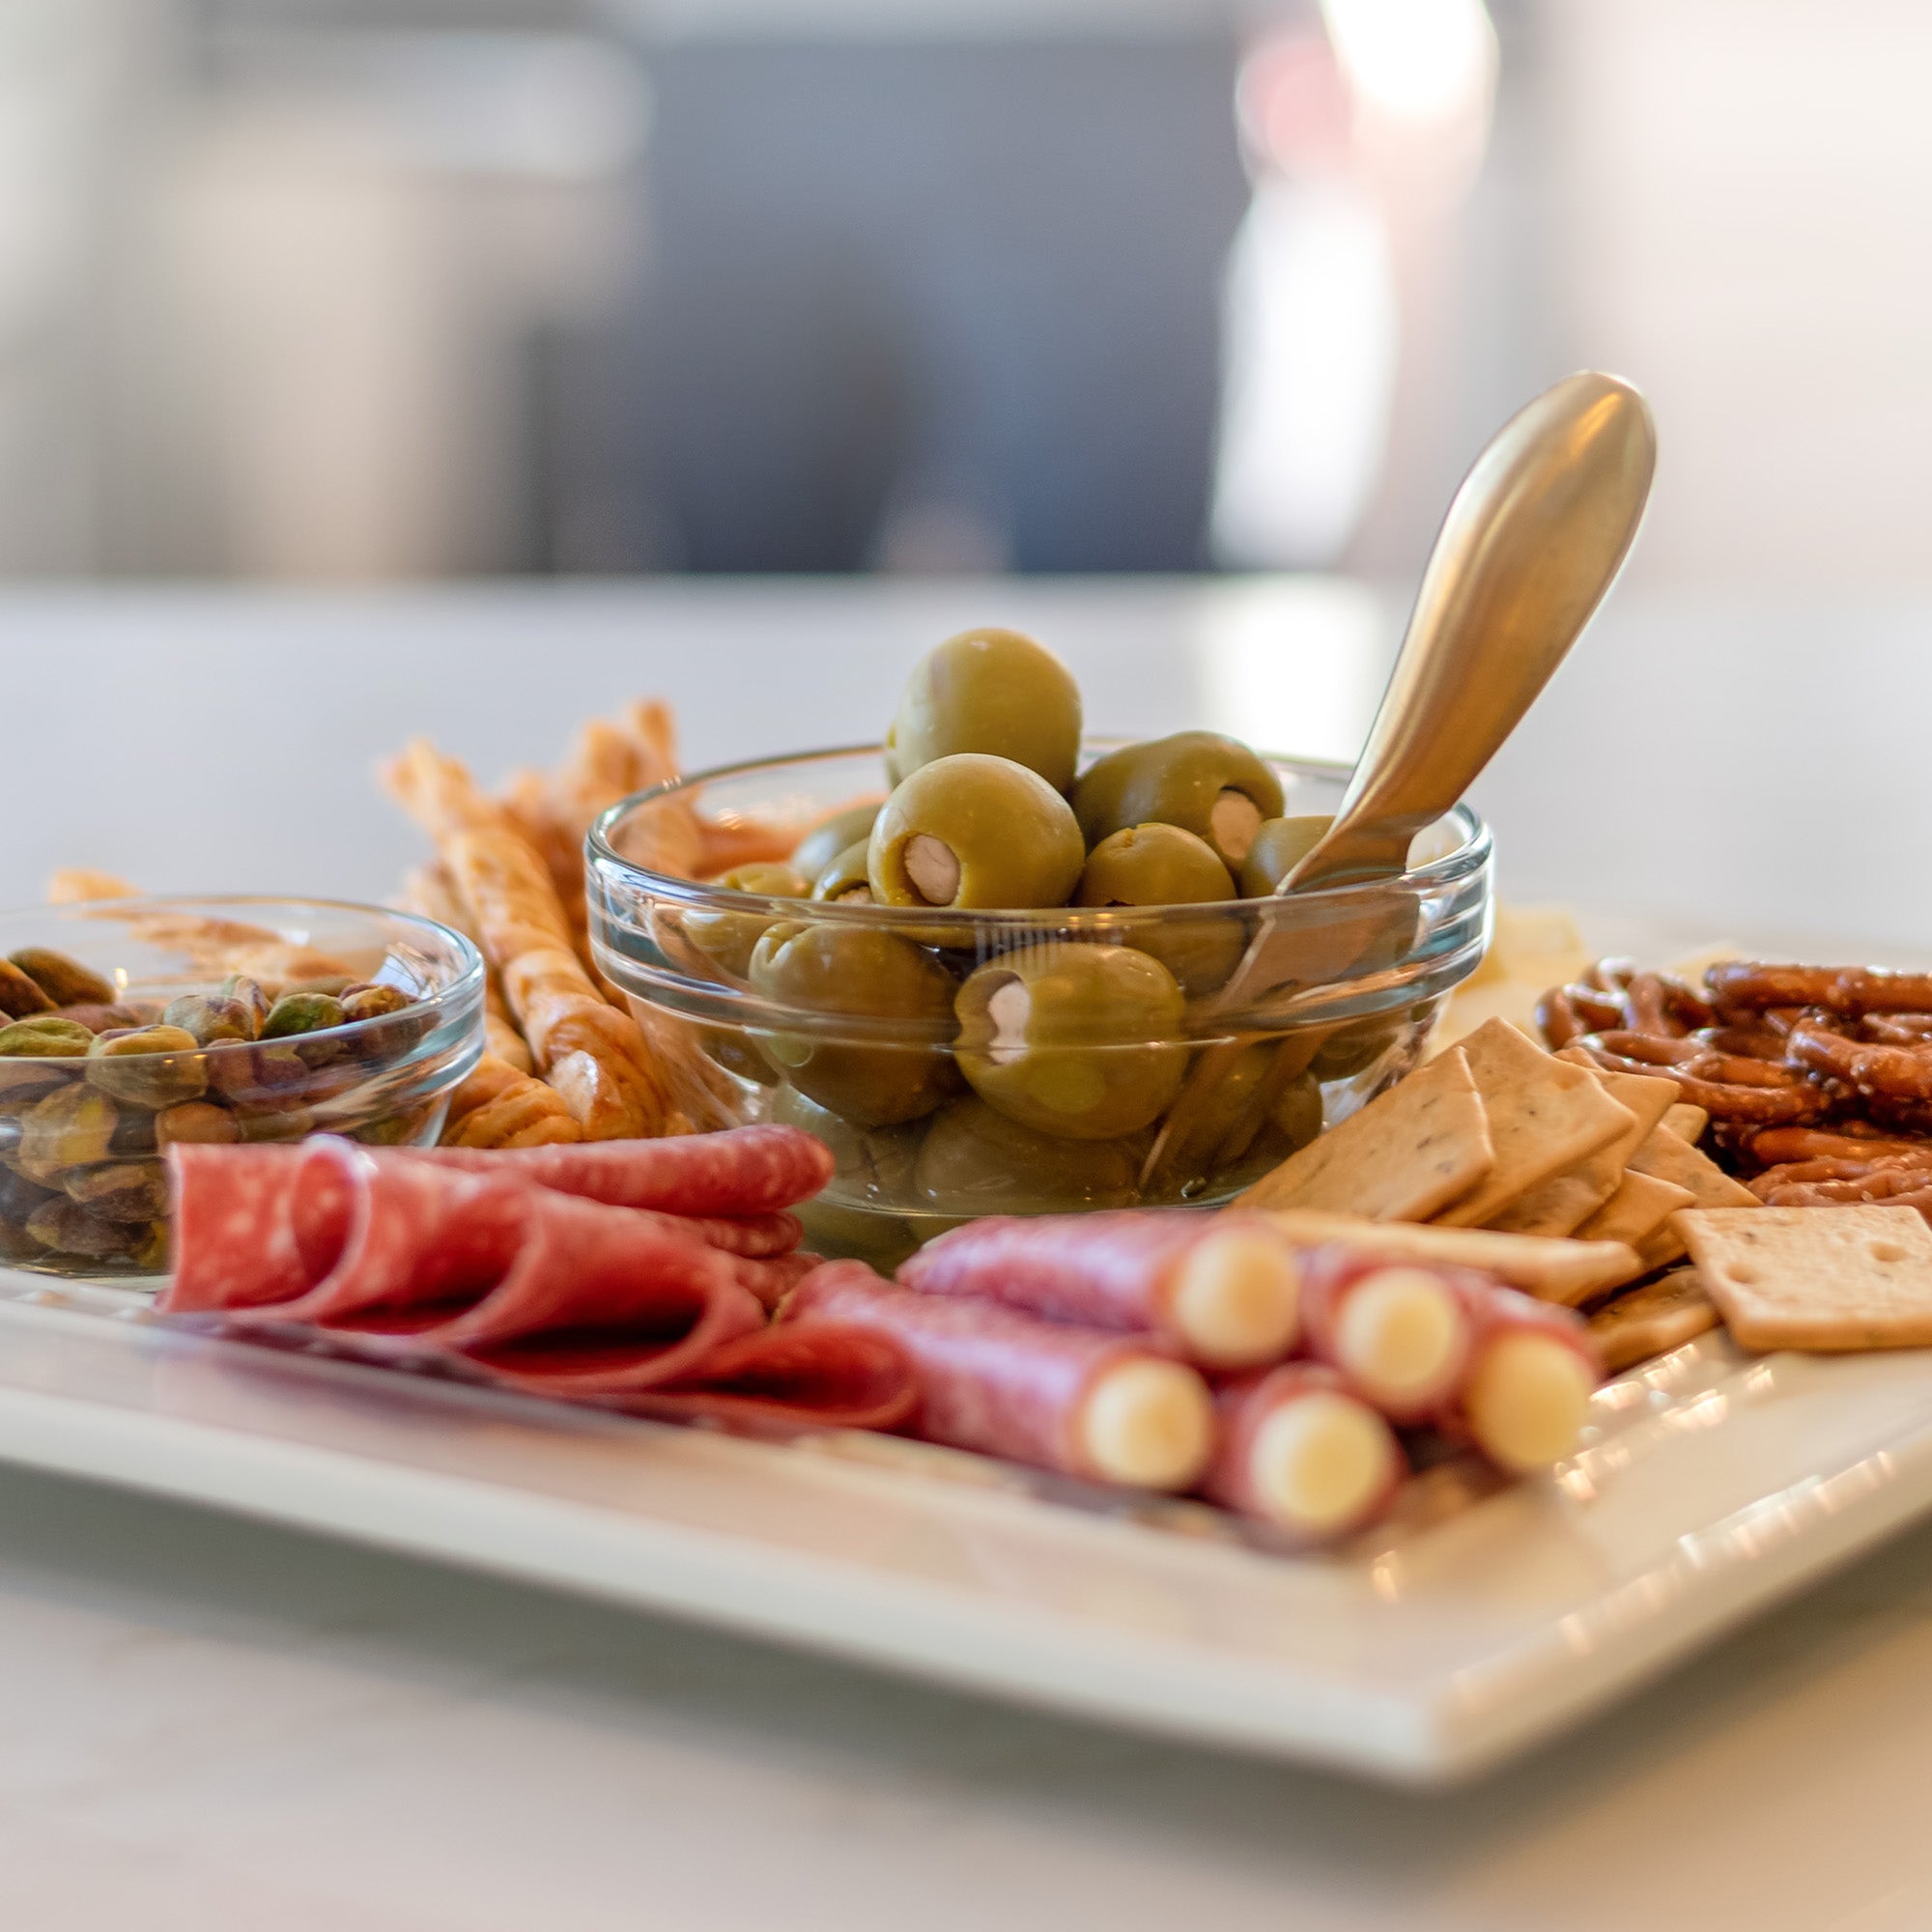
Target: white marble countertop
[213,1724]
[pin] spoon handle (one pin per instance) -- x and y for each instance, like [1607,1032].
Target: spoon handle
[1533,538]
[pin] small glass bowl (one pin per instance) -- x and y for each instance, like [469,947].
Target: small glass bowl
[928,1136]
[82,1188]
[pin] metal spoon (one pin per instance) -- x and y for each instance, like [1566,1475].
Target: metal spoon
[1533,538]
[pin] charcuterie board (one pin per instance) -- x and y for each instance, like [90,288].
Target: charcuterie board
[1477,1621]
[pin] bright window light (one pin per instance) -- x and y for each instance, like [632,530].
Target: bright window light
[1414,59]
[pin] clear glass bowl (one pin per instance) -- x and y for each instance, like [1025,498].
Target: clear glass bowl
[930,1129]
[81,1139]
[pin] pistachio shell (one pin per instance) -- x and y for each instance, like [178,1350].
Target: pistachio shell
[371,1000]
[44,1037]
[72,1127]
[149,1067]
[200,1123]
[20,995]
[96,1018]
[64,982]
[23,1083]
[213,1018]
[302,1013]
[121,1190]
[239,986]
[69,1229]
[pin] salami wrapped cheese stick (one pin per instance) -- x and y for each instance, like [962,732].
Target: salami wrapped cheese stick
[1226,1288]
[1110,1408]
[1400,1334]
[1525,1396]
[1301,1452]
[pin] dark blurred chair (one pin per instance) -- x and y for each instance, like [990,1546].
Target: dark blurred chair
[941,288]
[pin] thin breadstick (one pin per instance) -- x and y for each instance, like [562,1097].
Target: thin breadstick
[521,929]
[498,1106]
[430,892]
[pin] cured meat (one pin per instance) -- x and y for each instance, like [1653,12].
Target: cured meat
[248,1223]
[1401,1333]
[738,1172]
[1108,1408]
[1226,1288]
[771,1278]
[817,1372]
[1302,1453]
[1525,1396]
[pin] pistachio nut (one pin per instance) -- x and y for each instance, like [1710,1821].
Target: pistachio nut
[199,1122]
[150,1253]
[25,1082]
[69,1229]
[96,1018]
[302,1013]
[121,1190]
[404,1129]
[64,982]
[371,1000]
[19,1197]
[149,1067]
[44,1037]
[239,986]
[332,986]
[213,1018]
[72,1127]
[265,1079]
[20,995]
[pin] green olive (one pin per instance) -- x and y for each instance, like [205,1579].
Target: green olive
[1280,845]
[882,988]
[989,691]
[875,1162]
[1153,865]
[843,879]
[1074,1040]
[729,937]
[830,837]
[974,830]
[1209,786]
[1157,865]
[975,1160]
[1354,1048]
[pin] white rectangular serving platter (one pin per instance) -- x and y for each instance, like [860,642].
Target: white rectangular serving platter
[1713,1485]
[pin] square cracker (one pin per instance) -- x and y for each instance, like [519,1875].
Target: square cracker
[1551,1270]
[1635,1211]
[1686,1122]
[1821,1279]
[1562,1204]
[1411,1150]
[1665,1157]
[1661,1315]
[1544,1116]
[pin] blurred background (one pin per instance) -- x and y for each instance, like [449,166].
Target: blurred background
[366,290]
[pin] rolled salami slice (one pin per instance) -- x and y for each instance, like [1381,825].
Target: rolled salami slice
[253,1225]
[1107,1407]
[773,1277]
[738,1172]
[1301,1452]
[815,1372]
[1225,1287]
[545,1291]
[1400,1333]
[1525,1396]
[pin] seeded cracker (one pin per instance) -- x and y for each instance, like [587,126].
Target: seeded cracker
[1544,1116]
[1662,1314]
[1821,1279]
[1665,1157]
[1409,1151]
[1636,1210]
[1562,1204]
